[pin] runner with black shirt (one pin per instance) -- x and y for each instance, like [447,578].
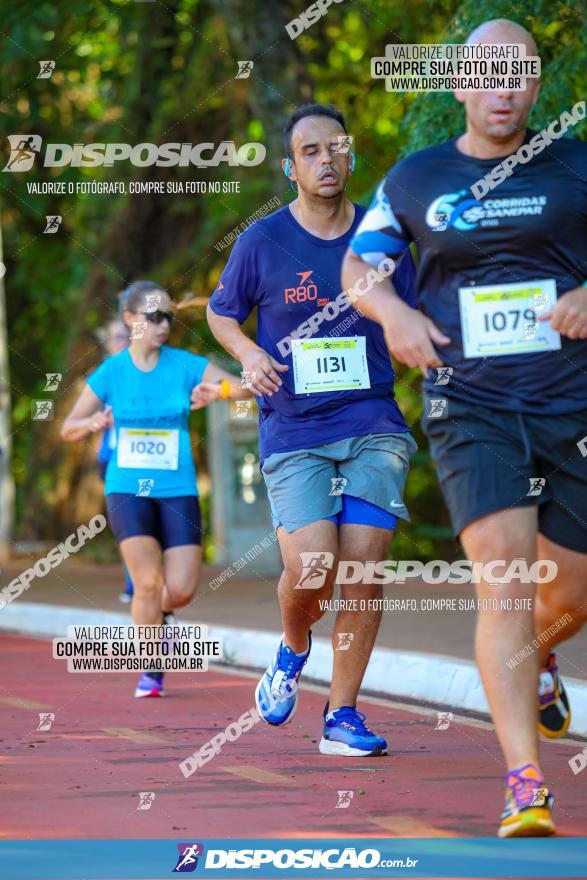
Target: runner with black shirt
[502,303]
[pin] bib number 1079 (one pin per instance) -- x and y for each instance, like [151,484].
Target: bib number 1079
[507,320]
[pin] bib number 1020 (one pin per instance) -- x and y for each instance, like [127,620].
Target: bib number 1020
[330,364]
[147,447]
[507,320]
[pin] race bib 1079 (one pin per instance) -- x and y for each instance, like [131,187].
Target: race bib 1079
[499,319]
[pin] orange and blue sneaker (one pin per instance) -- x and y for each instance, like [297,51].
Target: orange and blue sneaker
[554,712]
[527,805]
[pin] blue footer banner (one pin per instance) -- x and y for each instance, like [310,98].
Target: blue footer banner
[302,858]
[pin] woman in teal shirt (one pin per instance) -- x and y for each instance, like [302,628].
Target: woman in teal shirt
[146,392]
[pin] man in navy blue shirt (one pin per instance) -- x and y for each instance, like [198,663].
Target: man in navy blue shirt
[334,446]
[503,318]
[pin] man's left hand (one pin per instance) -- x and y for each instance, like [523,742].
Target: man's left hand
[569,316]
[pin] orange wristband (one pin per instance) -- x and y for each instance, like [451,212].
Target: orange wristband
[225,386]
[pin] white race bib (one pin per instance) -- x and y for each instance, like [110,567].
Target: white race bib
[501,319]
[148,448]
[330,364]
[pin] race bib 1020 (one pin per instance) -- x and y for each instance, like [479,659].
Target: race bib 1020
[148,448]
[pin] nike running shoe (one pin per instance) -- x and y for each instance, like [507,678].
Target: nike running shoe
[554,713]
[276,694]
[345,733]
[527,805]
[150,685]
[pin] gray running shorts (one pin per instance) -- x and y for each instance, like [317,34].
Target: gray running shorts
[307,484]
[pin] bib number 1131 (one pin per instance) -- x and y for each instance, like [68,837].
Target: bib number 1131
[331,364]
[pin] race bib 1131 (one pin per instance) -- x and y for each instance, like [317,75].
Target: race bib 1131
[330,364]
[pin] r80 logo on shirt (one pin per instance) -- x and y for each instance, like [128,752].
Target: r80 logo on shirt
[306,291]
[303,292]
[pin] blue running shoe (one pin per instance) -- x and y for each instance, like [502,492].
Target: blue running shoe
[276,694]
[150,685]
[129,589]
[346,734]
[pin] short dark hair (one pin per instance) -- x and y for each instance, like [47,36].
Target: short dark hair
[133,296]
[328,110]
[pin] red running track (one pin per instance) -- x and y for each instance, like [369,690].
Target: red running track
[82,778]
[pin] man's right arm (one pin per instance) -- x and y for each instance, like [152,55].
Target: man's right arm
[261,367]
[409,334]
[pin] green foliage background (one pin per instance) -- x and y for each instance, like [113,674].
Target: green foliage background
[158,72]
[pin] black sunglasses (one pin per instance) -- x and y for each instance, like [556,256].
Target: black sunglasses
[158,317]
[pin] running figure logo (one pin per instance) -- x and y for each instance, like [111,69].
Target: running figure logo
[338,485]
[138,329]
[145,486]
[539,302]
[444,719]
[24,149]
[344,799]
[152,302]
[344,641]
[53,223]
[244,69]
[437,408]
[537,484]
[444,374]
[344,143]
[42,410]
[539,799]
[441,222]
[315,567]
[46,719]
[243,408]
[53,380]
[187,861]
[46,69]
[146,799]
[248,377]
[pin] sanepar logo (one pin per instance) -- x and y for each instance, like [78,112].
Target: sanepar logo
[24,149]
